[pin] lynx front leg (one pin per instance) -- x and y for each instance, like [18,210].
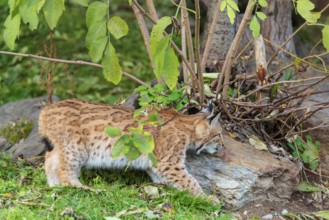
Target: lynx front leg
[178,177]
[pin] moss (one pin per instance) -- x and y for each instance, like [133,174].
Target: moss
[16,131]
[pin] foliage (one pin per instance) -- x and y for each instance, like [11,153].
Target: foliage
[307,151]
[24,193]
[231,8]
[138,141]
[160,97]
[20,78]
[165,60]
[16,131]
[308,187]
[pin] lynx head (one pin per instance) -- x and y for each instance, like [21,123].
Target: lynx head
[208,133]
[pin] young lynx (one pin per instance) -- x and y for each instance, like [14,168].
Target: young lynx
[73,131]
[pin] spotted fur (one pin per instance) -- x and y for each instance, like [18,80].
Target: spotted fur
[74,131]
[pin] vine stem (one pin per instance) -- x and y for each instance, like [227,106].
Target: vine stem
[75,62]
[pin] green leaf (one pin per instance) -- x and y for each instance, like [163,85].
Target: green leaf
[28,11]
[159,57]
[12,26]
[323,214]
[111,67]
[117,27]
[233,5]
[83,3]
[121,147]
[95,31]
[144,143]
[140,88]
[12,5]
[153,117]
[112,131]
[96,12]
[170,70]
[304,8]
[325,37]
[144,100]
[53,10]
[261,15]
[231,14]
[274,91]
[136,130]
[153,159]
[262,3]
[157,32]
[307,187]
[40,5]
[133,153]
[97,48]
[222,6]
[254,27]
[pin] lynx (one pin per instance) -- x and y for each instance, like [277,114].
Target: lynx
[73,131]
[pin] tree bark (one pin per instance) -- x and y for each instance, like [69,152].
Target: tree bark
[224,33]
[277,27]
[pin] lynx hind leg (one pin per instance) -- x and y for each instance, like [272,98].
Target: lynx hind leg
[51,167]
[155,177]
[71,160]
[179,177]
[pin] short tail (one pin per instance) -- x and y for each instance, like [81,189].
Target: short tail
[48,145]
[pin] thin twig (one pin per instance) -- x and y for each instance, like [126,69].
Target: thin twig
[197,50]
[189,42]
[144,30]
[291,36]
[76,62]
[183,28]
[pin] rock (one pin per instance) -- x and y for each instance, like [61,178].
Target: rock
[267,217]
[29,110]
[241,174]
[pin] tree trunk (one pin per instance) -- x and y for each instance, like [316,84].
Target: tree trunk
[224,33]
[277,27]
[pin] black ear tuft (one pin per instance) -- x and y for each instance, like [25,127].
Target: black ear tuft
[210,108]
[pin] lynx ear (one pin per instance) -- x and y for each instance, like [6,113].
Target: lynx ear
[209,110]
[214,123]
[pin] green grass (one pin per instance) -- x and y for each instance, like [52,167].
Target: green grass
[24,194]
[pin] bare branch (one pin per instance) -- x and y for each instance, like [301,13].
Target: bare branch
[144,30]
[77,62]
[152,10]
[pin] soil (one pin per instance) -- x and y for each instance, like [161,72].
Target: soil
[299,203]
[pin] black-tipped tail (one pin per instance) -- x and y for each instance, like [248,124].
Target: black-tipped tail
[48,145]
